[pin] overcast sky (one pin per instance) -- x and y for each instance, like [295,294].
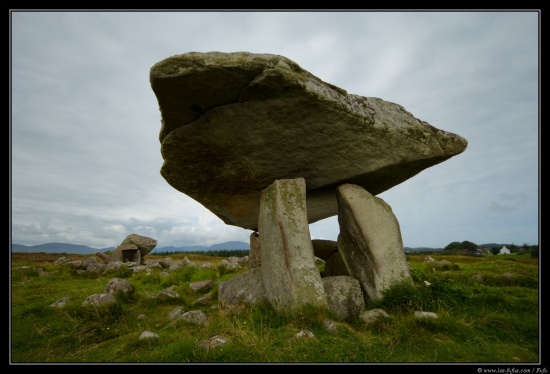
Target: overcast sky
[85,151]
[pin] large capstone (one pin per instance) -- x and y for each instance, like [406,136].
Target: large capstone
[233,123]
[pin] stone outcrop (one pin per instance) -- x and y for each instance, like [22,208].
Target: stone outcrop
[370,241]
[233,123]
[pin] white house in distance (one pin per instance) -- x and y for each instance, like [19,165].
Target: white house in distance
[504,251]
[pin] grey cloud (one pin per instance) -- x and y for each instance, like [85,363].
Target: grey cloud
[85,155]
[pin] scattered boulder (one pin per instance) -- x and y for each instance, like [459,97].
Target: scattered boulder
[228,265]
[201,286]
[478,277]
[77,264]
[373,315]
[176,312]
[167,293]
[61,260]
[100,299]
[213,342]
[116,285]
[60,303]
[304,334]
[330,325]
[166,262]
[148,335]
[344,296]
[421,314]
[195,316]
[245,288]
[103,257]
[115,266]
[204,300]
[43,273]
[94,267]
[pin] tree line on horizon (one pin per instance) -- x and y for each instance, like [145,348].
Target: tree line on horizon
[495,249]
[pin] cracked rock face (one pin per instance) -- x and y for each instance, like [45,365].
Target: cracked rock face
[233,123]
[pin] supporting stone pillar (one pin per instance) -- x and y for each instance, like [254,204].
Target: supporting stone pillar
[290,277]
[254,253]
[370,241]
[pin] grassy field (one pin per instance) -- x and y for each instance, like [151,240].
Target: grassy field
[489,321]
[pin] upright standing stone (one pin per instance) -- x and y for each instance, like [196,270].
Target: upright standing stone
[288,266]
[370,241]
[254,252]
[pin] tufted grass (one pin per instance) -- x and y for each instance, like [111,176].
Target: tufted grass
[495,320]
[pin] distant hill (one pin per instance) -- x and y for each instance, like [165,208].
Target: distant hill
[181,249]
[215,247]
[58,248]
[230,245]
[85,250]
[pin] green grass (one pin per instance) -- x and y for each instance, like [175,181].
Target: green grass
[491,321]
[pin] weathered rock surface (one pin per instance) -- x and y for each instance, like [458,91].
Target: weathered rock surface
[290,277]
[246,288]
[370,241]
[254,252]
[100,299]
[201,286]
[335,266]
[324,248]
[233,123]
[373,315]
[116,285]
[344,296]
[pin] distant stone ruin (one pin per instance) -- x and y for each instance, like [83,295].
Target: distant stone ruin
[132,249]
[267,146]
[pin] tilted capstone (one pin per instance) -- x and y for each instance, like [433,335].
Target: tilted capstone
[233,123]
